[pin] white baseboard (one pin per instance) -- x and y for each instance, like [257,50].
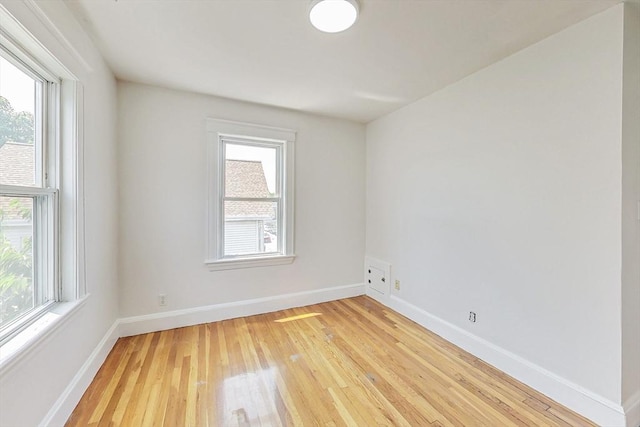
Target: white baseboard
[66,403]
[592,406]
[64,406]
[598,409]
[212,313]
[632,410]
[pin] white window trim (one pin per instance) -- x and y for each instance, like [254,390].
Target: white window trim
[216,130]
[67,139]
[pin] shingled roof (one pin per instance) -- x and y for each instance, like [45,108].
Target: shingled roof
[17,164]
[16,168]
[245,178]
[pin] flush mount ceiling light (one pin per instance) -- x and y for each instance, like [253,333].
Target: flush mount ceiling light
[333,16]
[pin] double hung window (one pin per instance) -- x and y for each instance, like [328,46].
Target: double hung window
[28,191]
[42,268]
[250,195]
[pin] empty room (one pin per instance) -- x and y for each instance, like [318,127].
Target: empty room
[320,212]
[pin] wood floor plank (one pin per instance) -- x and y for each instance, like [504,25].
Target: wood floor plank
[386,373]
[104,415]
[351,362]
[157,414]
[299,375]
[100,383]
[423,384]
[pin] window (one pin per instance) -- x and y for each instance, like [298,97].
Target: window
[250,213]
[27,193]
[41,246]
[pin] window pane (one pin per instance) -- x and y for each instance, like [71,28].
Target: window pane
[250,171]
[17,126]
[16,258]
[250,228]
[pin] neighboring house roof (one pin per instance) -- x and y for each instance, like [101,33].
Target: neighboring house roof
[17,163]
[245,178]
[16,168]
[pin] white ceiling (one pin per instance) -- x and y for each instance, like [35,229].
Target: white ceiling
[265,51]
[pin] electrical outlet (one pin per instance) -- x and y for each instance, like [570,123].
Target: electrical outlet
[162,300]
[472,317]
[397,285]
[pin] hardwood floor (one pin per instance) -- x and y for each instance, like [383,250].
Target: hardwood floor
[350,362]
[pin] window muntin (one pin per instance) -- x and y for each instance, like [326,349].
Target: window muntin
[250,207]
[28,205]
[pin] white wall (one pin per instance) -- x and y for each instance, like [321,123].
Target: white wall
[31,386]
[501,194]
[630,223]
[162,170]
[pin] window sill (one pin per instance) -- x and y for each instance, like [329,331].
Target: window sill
[233,264]
[27,340]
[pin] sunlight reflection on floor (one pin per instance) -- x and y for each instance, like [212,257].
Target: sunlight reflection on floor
[298,317]
[249,399]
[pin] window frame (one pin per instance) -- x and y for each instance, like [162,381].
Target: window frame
[219,133]
[279,146]
[58,211]
[43,193]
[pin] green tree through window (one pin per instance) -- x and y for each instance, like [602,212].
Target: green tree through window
[16,269]
[15,126]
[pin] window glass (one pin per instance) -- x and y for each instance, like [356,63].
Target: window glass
[250,171]
[17,290]
[250,227]
[18,142]
[251,183]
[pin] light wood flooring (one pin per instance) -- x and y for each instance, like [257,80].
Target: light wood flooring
[351,362]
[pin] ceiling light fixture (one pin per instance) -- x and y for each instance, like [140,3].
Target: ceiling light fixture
[333,16]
